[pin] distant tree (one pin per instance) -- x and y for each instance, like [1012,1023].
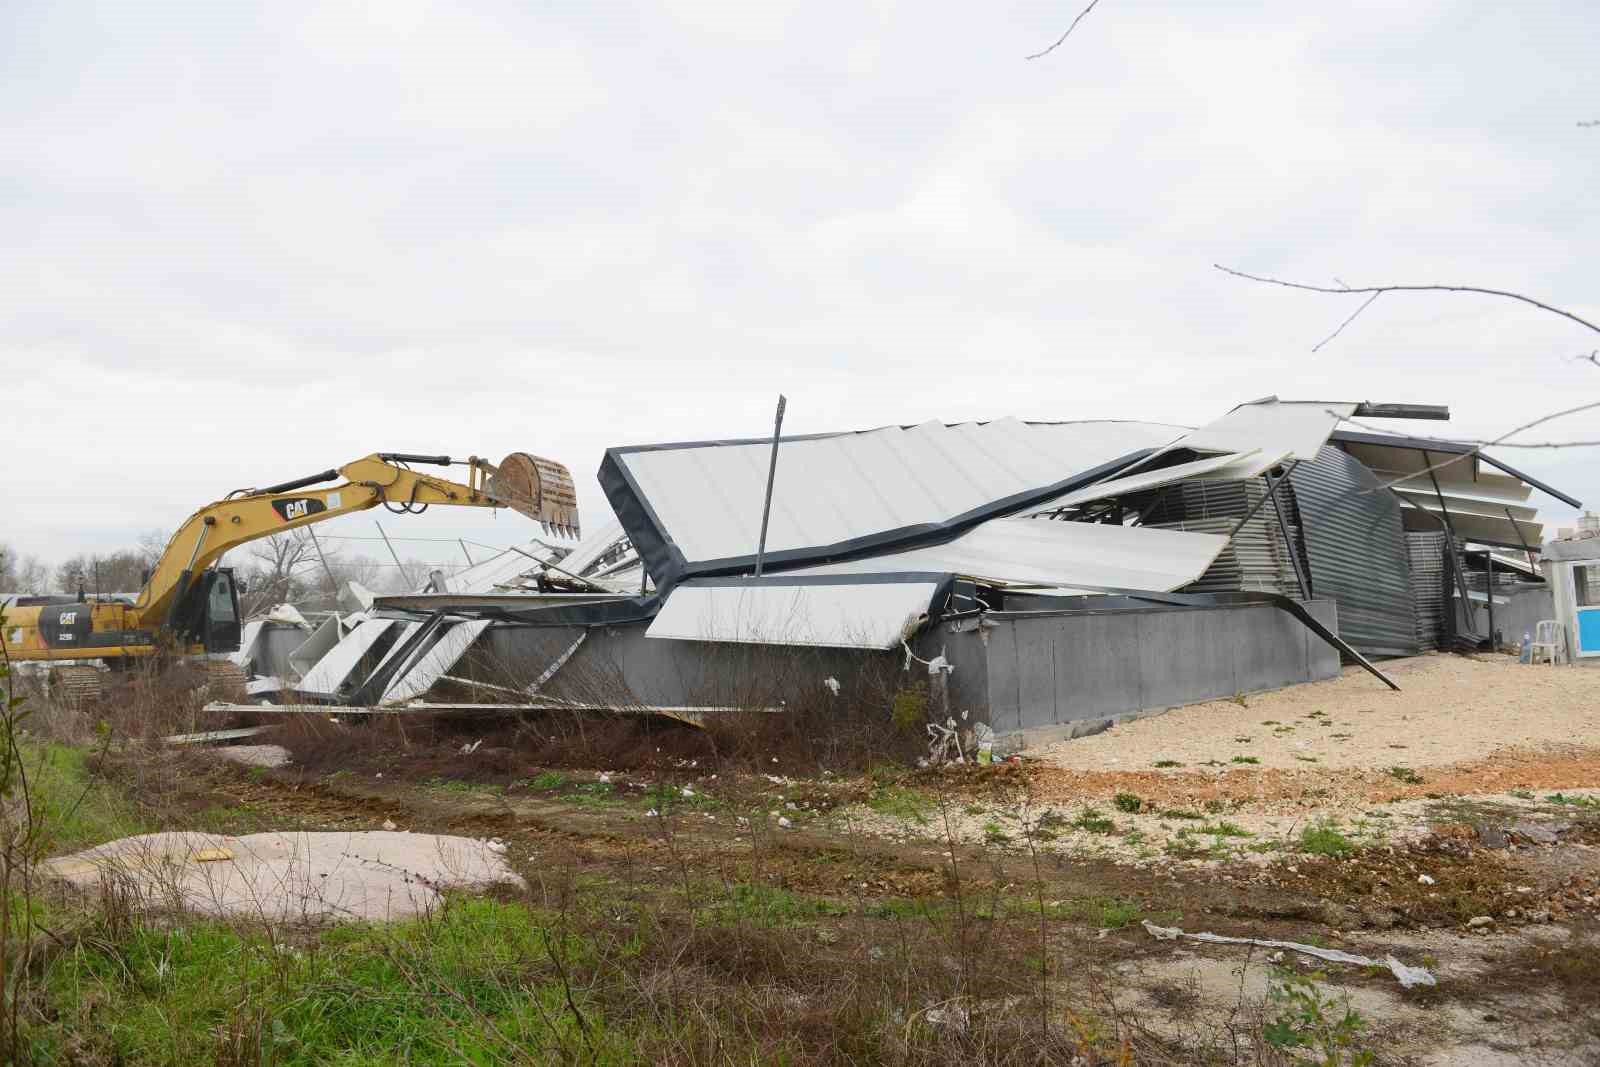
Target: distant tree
[114,572]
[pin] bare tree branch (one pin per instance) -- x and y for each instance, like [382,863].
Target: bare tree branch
[1410,289]
[1588,125]
[1072,27]
[1365,304]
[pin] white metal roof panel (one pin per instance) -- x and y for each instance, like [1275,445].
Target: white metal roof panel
[707,497]
[1465,505]
[435,663]
[332,669]
[1487,529]
[1297,428]
[1408,466]
[862,614]
[1045,553]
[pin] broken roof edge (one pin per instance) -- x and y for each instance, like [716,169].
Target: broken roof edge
[1454,448]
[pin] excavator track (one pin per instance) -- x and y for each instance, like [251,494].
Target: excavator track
[225,680]
[78,686]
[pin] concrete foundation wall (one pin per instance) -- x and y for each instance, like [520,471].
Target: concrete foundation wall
[1069,674]
[1512,620]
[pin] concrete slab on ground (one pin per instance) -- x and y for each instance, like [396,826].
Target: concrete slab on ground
[289,877]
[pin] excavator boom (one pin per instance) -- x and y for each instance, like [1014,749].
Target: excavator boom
[171,600]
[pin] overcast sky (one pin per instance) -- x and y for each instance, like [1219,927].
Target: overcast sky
[247,242]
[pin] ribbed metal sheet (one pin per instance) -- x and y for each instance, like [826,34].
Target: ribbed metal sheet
[1041,553]
[1425,550]
[1357,552]
[1257,559]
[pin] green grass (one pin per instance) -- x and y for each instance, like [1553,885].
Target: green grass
[1224,829]
[78,809]
[1091,820]
[901,802]
[545,781]
[471,985]
[1181,813]
[1245,759]
[593,793]
[1406,775]
[772,906]
[995,834]
[1128,802]
[1576,802]
[1168,763]
[1324,839]
[459,785]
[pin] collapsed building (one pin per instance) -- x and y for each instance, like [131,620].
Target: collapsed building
[1056,575]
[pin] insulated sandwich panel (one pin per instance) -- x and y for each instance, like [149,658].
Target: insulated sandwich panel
[859,614]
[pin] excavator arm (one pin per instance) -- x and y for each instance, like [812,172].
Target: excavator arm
[538,488]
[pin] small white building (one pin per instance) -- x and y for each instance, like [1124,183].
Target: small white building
[1572,567]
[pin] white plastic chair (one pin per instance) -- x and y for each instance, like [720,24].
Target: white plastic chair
[1548,635]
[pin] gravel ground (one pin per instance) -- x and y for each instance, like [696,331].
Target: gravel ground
[1450,709]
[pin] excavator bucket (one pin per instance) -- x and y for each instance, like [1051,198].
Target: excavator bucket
[539,488]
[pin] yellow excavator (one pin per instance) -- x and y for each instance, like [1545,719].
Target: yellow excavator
[189,606]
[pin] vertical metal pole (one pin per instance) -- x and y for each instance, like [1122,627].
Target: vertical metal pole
[393,554]
[1469,610]
[1300,576]
[772,473]
[1526,550]
[1494,646]
[1272,487]
[333,583]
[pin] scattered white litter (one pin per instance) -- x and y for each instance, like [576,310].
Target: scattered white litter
[388,824]
[289,877]
[832,685]
[1423,879]
[1408,976]
[784,822]
[471,747]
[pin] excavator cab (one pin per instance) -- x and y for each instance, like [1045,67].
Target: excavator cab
[209,613]
[219,625]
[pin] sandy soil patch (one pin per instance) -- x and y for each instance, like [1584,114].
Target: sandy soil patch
[1449,709]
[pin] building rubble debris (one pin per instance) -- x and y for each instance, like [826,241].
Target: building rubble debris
[1072,573]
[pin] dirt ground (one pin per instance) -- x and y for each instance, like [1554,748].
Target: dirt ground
[1473,851]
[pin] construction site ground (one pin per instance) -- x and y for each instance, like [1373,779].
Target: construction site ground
[1473,851]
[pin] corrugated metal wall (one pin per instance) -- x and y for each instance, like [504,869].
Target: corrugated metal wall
[1357,551]
[1426,549]
[1256,559]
